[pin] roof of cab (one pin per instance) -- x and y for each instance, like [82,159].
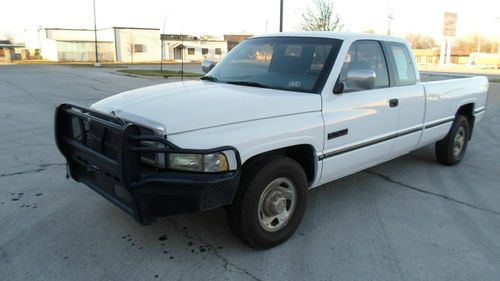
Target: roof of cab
[335,35]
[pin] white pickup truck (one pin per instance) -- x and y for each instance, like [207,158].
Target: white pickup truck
[279,115]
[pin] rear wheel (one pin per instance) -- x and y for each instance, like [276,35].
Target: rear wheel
[270,203]
[451,149]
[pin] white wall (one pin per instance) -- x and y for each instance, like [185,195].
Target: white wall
[85,51]
[125,37]
[49,49]
[79,34]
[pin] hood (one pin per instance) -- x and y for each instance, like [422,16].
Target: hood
[187,106]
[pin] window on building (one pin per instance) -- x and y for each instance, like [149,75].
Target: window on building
[218,51]
[190,51]
[140,48]
[204,51]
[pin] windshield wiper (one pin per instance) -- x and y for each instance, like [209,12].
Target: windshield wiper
[209,78]
[247,83]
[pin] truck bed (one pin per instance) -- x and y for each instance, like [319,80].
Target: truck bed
[437,76]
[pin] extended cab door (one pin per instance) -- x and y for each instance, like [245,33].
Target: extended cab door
[360,124]
[411,97]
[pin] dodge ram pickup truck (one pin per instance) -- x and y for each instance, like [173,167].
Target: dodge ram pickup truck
[279,115]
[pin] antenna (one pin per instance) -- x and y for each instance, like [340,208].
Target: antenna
[182,57]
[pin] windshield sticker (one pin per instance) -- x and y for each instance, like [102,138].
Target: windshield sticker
[294,84]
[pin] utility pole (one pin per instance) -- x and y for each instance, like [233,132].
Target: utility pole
[162,47]
[95,39]
[281,15]
[182,57]
[39,41]
[390,17]
[497,20]
[478,46]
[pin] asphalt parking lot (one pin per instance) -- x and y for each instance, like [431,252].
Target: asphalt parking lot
[407,219]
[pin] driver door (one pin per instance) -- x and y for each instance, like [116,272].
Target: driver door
[360,124]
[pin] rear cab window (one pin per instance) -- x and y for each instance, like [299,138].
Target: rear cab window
[405,70]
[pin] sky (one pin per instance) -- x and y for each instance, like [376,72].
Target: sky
[199,17]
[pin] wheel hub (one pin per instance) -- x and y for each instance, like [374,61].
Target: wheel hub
[458,142]
[275,203]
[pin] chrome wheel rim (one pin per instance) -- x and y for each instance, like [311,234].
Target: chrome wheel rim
[277,204]
[459,141]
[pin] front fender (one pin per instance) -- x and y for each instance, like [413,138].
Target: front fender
[259,136]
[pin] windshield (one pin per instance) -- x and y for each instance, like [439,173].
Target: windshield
[287,63]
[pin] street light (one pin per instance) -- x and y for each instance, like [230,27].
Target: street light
[281,15]
[95,39]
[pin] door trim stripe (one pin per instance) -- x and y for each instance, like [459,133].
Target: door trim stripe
[369,143]
[440,122]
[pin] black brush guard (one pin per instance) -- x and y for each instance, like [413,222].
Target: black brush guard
[106,153]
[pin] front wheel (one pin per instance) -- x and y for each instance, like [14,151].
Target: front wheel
[270,203]
[451,149]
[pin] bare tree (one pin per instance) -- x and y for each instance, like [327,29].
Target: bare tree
[421,41]
[321,17]
[473,43]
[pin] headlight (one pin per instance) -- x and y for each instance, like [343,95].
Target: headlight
[209,163]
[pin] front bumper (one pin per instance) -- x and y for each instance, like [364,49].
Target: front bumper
[106,153]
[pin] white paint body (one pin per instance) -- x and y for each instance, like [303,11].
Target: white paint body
[203,115]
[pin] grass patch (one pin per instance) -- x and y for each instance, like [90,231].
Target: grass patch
[34,62]
[495,80]
[165,73]
[92,65]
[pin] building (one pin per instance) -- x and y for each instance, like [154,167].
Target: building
[115,44]
[61,44]
[137,44]
[235,39]
[126,45]
[457,56]
[10,51]
[192,48]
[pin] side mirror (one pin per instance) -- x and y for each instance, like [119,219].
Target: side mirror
[338,88]
[207,65]
[360,79]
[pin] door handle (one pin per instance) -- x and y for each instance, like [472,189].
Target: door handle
[393,102]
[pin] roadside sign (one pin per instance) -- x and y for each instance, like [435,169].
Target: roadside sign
[450,24]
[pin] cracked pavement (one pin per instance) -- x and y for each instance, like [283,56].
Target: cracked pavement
[407,219]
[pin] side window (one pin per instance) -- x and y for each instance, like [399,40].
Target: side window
[366,55]
[405,70]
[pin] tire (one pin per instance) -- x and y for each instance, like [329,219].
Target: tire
[270,202]
[451,149]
